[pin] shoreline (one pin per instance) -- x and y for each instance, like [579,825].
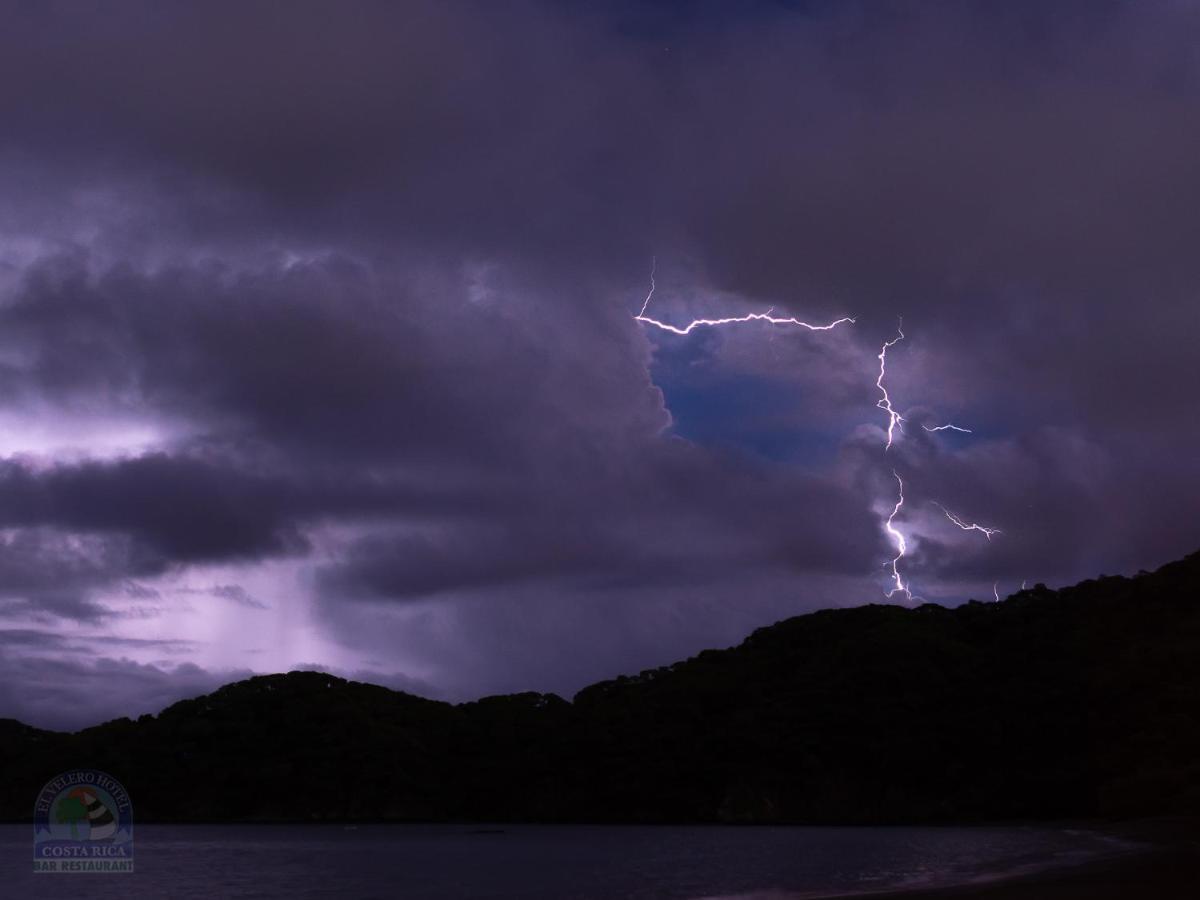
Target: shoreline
[1161,861]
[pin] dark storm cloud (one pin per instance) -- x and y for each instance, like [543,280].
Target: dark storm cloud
[537,443]
[44,691]
[422,112]
[32,639]
[669,519]
[940,160]
[327,358]
[44,572]
[235,593]
[368,272]
[180,509]
[945,144]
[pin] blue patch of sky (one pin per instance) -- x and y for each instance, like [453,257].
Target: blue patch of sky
[749,413]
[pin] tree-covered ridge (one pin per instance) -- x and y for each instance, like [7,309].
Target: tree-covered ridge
[1081,701]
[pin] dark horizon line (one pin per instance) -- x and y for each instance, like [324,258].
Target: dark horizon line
[1038,588]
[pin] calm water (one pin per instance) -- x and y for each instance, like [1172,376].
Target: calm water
[535,862]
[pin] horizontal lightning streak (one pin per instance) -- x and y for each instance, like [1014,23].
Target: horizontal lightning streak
[728,320]
[736,320]
[948,428]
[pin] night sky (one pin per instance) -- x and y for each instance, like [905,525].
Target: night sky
[318,344]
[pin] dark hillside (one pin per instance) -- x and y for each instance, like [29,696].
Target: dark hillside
[1078,702]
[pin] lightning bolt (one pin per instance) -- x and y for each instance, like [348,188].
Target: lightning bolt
[901,544]
[646,305]
[995,592]
[737,320]
[729,320]
[885,402]
[987,532]
[895,420]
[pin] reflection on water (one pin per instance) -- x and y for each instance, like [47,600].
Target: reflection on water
[533,862]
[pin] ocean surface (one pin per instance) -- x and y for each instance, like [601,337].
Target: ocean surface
[561,862]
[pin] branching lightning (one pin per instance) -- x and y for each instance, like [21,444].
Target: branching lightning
[895,420]
[729,320]
[901,544]
[968,526]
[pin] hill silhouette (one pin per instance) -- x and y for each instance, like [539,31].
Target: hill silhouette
[1083,701]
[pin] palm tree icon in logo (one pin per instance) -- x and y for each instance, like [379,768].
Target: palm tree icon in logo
[70,810]
[83,805]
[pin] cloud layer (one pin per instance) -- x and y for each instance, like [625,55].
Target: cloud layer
[317,341]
